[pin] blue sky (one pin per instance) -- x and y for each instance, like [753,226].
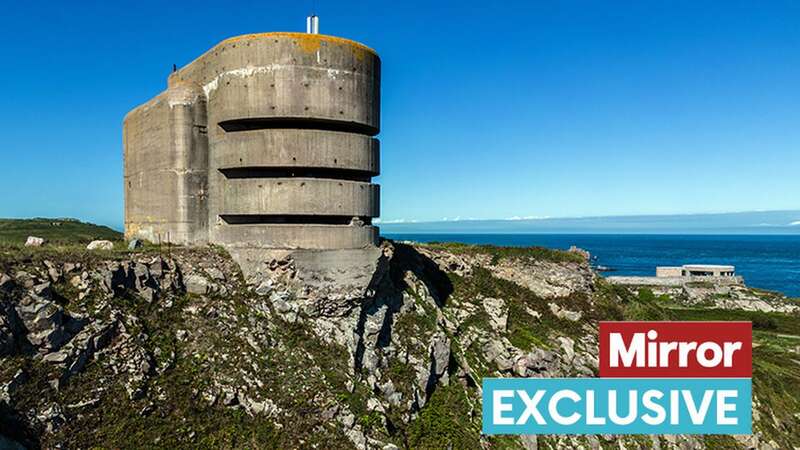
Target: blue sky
[490,109]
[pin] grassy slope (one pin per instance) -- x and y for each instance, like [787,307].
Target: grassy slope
[776,363]
[60,231]
[497,253]
[776,360]
[776,369]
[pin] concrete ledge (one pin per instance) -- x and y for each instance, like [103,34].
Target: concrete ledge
[297,148]
[317,237]
[299,196]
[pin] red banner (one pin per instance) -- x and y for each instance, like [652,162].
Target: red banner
[676,349]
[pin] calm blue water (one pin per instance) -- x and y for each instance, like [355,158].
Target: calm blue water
[767,262]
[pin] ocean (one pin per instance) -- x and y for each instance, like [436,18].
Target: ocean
[770,262]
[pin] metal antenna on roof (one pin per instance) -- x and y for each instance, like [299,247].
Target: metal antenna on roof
[312,24]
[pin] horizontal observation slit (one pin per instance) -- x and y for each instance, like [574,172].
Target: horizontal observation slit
[301,123]
[329,173]
[293,219]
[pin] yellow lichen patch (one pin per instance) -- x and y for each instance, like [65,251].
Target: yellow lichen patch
[308,42]
[131,229]
[359,53]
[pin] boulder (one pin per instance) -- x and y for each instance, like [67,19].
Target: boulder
[48,325]
[497,311]
[74,355]
[494,350]
[440,355]
[134,244]
[566,314]
[100,245]
[52,271]
[197,284]
[34,241]
[215,273]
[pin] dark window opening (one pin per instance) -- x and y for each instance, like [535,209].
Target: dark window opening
[331,173]
[296,123]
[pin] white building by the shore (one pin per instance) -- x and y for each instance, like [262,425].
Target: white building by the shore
[696,270]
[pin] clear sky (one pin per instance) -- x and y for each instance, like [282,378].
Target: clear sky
[490,109]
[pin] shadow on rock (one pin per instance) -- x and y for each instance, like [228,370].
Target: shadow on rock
[388,291]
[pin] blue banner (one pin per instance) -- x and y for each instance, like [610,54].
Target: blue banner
[617,406]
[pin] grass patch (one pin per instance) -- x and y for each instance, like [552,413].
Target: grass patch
[59,231]
[776,382]
[621,304]
[523,329]
[763,321]
[498,253]
[443,422]
[701,284]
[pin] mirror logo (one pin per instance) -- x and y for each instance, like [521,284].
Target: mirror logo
[655,378]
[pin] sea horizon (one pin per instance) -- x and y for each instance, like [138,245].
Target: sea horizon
[766,261]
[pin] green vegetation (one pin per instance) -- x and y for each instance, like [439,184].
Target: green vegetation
[701,284]
[444,422]
[616,302]
[55,231]
[764,321]
[721,442]
[525,331]
[66,239]
[498,253]
[776,362]
[776,383]
[125,423]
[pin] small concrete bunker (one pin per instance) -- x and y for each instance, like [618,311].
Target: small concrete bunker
[265,141]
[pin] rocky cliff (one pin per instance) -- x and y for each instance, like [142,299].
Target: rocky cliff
[177,349]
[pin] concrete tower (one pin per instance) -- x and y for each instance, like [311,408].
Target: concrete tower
[265,141]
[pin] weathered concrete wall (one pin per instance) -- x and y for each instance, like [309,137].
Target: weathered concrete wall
[303,236]
[166,167]
[287,123]
[299,196]
[298,148]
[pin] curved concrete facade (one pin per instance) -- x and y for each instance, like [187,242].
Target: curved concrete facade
[264,141]
[298,148]
[299,196]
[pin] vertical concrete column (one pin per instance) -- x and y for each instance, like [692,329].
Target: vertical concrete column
[188,127]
